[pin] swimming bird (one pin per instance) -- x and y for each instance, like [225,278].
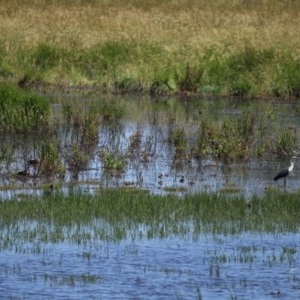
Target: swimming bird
[285,172]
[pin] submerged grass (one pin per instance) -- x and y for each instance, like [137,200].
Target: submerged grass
[219,47]
[116,215]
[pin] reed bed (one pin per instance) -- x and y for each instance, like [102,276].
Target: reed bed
[224,47]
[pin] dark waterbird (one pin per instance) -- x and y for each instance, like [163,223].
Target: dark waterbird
[285,172]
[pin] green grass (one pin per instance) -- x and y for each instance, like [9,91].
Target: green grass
[120,213]
[22,111]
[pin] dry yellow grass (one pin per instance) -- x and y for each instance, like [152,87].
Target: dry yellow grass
[183,29]
[191,27]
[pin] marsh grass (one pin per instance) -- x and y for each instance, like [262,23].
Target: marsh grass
[112,112]
[21,111]
[178,138]
[113,161]
[218,47]
[230,140]
[285,142]
[51,163]
[115,215]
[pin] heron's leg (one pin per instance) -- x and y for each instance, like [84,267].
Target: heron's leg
[285,182]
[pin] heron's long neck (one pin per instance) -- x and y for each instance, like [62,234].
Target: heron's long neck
[291,167]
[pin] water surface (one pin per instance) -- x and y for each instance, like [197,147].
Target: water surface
[248,265]
[154,119]
[244,266]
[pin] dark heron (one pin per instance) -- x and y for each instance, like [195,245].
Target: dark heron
[285,172]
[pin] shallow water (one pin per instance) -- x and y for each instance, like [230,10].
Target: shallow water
[246,266]
[154,119]
[242,266]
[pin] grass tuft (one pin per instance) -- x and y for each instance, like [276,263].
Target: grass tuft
[22,111]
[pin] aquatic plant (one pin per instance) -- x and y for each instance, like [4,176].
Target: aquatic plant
[86,123]
[205,139]
[113,161]
[67,112]
[90,128]
[50,162]
[6,154]
[160,216]
[178,138]
[77,159]
[135,142]
[22,111]
[230,140]
[112,112]
[285,142]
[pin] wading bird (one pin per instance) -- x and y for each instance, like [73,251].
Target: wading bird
[284,173]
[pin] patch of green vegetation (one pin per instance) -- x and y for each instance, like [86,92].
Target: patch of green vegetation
[239,74]
[46,56]
[190,79]
[286,81]
[113,161]
[230,140]
[51,163]
[112,111]
[178,138]
[22,111]
[285,143]
[125,213]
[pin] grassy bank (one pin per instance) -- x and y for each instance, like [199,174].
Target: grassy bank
[224,47]
[119,214]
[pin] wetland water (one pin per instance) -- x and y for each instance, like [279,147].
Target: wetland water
[246,265]
[142,139]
